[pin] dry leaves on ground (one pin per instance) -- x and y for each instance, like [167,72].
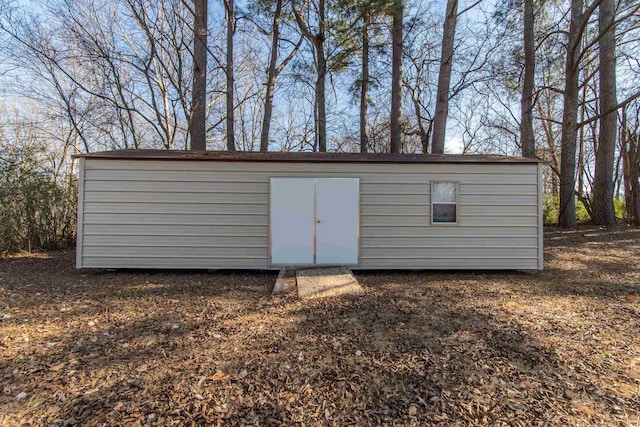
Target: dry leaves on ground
[558,347]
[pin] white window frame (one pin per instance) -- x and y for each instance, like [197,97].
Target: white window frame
[457,203]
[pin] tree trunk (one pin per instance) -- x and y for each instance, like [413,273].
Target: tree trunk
[633,207]
[198,131]
[271,79]
[635,197]
[527,139]
[320,81]
[364,88]
[626,164]
[603,210]
[231,28]
[444,78]
[425,134]
[396,77]
[567,216]
[630,150]
[580,173]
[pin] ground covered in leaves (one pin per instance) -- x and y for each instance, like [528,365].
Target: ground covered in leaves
[558,347]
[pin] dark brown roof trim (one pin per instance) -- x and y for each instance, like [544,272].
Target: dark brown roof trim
[302,157]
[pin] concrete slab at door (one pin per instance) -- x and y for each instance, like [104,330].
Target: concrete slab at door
[292,206]
[337,221]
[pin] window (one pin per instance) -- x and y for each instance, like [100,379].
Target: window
[444,202]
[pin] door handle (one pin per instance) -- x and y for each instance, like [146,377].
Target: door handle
[318,221]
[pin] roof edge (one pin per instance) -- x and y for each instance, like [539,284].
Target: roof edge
[300,157]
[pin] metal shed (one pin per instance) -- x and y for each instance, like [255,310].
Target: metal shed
[217,210]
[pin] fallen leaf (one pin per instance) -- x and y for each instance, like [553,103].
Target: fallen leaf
[219,376]
[569,394]
[58,367]
[526,384]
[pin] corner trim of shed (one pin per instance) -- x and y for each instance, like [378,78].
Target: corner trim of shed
[540,216]
[80,219]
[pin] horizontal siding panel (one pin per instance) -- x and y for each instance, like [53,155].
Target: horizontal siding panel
[174,208]
[451,264]
[176,230]
[182,197]
[235,176]
[175,176]
[435,242]
[382,209]
[171,219]
[172,187]
[176,240]
[455,231]
[175,252]
[397,221]
[505,190]
[288,168]
[390,189]
[173,262]
[499,200]
[495,220]
[393,199]
[450,253]
[498,210]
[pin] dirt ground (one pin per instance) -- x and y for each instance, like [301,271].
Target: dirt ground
[559,347]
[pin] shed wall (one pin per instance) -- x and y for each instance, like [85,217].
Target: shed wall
[183,214]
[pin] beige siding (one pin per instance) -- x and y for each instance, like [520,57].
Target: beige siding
[199,214]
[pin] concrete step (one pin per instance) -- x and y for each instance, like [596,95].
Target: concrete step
[326,282]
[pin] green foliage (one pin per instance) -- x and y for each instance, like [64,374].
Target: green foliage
[37,211]
[582,215]
[550,209]
[551,205]
[620,207]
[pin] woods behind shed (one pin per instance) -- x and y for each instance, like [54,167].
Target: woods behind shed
[217,210]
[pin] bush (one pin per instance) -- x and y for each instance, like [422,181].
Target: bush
[582,215]
[551,206]
[37,211]
[620,207]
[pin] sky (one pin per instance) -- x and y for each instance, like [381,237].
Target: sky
[453,144]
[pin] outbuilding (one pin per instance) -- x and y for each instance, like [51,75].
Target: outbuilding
[248,210]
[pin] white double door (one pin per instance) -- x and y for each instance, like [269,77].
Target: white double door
[314,221]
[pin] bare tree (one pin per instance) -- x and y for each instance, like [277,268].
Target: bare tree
[364,82]
[603,210]
[444,77]
[630,151]
[273,72]
[567,214]
[396,76]
[317,42]
[229,70]
[527,139]
[199,96]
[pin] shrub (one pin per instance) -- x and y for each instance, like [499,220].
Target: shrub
[620,208]
[37,211]
[550,206]
[582,215]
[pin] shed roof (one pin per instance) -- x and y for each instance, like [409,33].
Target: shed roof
[302,157]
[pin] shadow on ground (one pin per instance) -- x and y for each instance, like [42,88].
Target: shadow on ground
[418,348]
